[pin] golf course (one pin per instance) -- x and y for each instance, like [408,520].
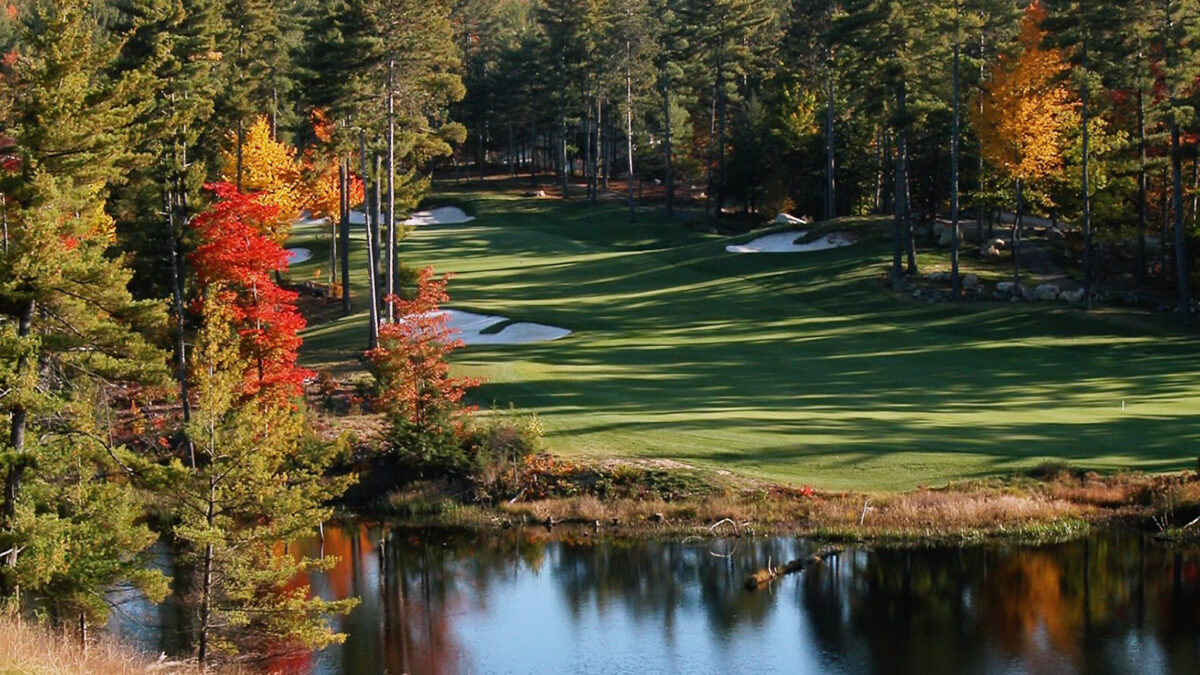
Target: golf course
[794,367]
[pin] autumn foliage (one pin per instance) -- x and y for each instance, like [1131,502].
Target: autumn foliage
[416,388]
[324,199]
[271,171]
[1026,107]
[235,264]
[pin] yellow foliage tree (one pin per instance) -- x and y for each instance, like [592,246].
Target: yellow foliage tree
[324,193]
[1024,114]
[270,168]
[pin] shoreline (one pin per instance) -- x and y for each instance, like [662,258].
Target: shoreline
[1060,504]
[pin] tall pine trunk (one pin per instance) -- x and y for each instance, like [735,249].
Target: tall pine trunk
[344,236]
[667,177]
[1142,197]
[390,242]
[368,212]
[629,127]
[830,166]
[720,179]
[1181,263]
[1016,235]
[955,282]
[1087,200]
[18,421]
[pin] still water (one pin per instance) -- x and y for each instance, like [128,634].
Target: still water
[445,602]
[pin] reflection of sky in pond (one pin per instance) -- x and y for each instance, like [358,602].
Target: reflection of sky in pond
[515,603]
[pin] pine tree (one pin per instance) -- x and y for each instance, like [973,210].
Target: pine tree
[252,482]
[252,486]
[71,327]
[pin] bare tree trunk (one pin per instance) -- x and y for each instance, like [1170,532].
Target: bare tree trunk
[241,141]
[720,181]
[1016,236]
[1181,260]
[1143,185]
[955,282]
[206,584]
[344,235]
[18,420]
[830,145]
[668,178]
[1087,200]
[629,131]
[391,195]
[368,211]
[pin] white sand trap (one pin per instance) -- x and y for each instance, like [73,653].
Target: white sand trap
[468,327]
[442,215]
[785,242]
[298,255]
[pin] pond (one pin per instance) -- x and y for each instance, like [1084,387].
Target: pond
[517,602]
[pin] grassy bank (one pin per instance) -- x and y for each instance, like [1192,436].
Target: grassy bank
[793,368]
[27,647]
[621,500]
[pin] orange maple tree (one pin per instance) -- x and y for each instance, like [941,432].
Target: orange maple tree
[1026,108]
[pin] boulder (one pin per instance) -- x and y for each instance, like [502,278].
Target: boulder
[1046,292]
[970,281]
[1005,286]
[788,219]
[1055,234]
[922,231]
[535,193]
[1074,297]
[937,276]
[947,236]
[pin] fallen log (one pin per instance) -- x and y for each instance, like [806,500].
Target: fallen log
[771,573]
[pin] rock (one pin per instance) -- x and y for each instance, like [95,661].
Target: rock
[1073,297]
[922,231]
[938,227]
[1055,234]
[947,236]
[535,193]
[970,281]
[937,276]
[917,293]
[1005,286]
[788,219]
[1046,292]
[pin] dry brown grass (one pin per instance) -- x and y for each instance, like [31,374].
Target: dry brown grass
[27,647]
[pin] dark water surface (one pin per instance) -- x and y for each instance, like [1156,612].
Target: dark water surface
[439,602]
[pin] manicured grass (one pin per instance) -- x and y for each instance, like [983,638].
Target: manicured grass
[794,367]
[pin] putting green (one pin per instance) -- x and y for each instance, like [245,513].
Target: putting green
[789,367]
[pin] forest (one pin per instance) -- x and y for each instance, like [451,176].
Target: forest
[155,156]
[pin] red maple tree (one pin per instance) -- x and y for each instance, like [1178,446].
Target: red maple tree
[235,264]
[410,361]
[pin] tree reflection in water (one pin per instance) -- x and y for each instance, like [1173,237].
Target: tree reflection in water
[449,602]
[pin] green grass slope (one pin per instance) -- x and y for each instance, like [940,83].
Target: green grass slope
[793,367]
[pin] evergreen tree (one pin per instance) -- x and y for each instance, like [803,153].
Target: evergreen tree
[71,328]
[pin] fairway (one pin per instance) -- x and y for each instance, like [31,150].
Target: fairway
[793,367]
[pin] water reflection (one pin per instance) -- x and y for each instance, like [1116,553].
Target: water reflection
[445,602]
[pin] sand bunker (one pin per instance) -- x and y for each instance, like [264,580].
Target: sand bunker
[785,242]
[298,255]
[468,327]
[442,215]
